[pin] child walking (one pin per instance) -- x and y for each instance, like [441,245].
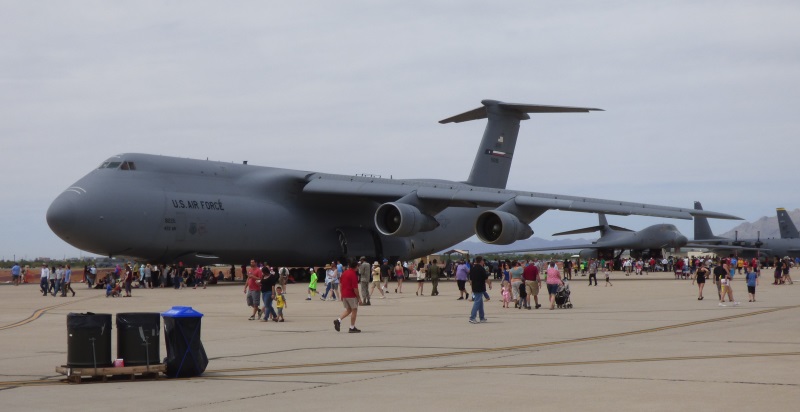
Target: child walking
[506,294]
[312,285]
[280,301]
[752,282]
[608,278]
[727,290]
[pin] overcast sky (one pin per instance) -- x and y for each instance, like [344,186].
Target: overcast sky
[701,98]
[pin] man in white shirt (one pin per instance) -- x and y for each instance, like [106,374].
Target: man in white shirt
[93,275]
[45,278]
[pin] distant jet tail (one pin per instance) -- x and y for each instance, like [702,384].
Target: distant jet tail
[603,227]
[601,217]
[493,159]
[785,224]
[702,230]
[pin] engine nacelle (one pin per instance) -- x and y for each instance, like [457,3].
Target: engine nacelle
[501,228]
[588,254]
[401,219]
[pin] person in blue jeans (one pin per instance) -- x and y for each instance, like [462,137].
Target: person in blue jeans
[479,280]
[268,283]
[331,276]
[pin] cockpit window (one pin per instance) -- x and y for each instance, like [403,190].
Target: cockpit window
[118,165]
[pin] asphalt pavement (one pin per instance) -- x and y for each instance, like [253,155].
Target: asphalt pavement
[645,343]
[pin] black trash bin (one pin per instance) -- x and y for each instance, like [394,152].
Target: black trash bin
[185,353]
[89,340]
[138,338]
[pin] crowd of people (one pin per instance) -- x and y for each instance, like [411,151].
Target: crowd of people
[354,283]
[56,281]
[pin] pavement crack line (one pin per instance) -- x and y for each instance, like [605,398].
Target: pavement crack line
[514,366]
[316,386]
[548,375]
[39,312]
[511,348]
[220,373]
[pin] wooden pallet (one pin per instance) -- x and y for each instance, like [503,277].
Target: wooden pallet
[143,372]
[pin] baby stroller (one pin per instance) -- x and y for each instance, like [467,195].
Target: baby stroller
[562,296]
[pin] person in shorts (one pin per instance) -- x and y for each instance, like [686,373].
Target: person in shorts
[350,298]
[553,282]
[462,272]
[727,289]
[719,273]
[752,281]
[280,302]
[312,284]
[252,289]
[377,272]
[532,284]
[15,272]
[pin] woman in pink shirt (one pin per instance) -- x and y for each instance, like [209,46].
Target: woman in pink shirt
[553,281]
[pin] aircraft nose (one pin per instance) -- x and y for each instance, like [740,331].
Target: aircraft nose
[62,215]
[681,240]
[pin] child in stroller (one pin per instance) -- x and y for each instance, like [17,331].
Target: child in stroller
[562,296]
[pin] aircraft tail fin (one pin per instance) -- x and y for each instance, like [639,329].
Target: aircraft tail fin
[786,226]
[493,158]
[702,230]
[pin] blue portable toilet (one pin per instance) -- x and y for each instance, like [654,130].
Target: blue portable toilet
[186,356]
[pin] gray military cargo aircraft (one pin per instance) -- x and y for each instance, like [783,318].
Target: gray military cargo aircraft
[165,209]
[748,248]
[646,242]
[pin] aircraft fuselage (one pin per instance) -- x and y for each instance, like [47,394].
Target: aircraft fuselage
[167,209]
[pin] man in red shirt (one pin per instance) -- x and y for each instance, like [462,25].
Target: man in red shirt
[252,288]
[350,297]
[532,283]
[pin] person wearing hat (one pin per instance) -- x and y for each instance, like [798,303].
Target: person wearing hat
[364,274]
[377,272]
[331,274]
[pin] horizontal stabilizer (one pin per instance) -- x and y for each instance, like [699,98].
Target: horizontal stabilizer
[591,229]
[480,113]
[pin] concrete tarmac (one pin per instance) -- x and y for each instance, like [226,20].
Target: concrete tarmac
[645,343]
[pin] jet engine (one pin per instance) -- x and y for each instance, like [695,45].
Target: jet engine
[589,254]
[401,219]
[501,228]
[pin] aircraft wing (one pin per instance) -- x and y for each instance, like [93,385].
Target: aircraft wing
[454,194]
[545,249]
[724,247]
